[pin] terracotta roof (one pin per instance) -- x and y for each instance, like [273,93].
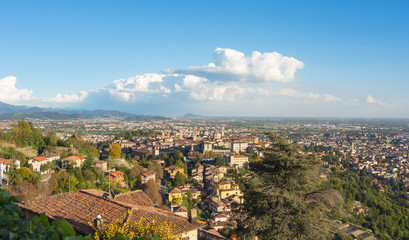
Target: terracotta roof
[215,232]
[201,222]
[74,158]
[117,174]
[96,192]
[7,161]
[176,190]
[78,208]
[179,224]
[49,155]
[137,197]
[40,159]
[181,209]
[149,173]
[81,207]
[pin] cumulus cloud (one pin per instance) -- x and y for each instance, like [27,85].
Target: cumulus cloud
[232,76]
[200,88]
[129,89]
[371,100]
[233,65]
[70,98]
[10,94]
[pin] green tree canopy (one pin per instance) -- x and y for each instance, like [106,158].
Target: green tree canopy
[179,180]
[276,203]
[220,161]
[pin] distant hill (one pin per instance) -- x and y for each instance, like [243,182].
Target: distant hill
[8,108]
[10,112]
[191,115]
[41,115]
[106,114]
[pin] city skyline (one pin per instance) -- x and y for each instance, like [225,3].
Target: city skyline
[292,59]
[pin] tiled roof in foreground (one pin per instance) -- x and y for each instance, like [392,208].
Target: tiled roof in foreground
[78,208]
[137,197]
[82,206]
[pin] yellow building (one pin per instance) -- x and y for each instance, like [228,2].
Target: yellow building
[172,170]
[175,195]
[227,189]
[218,176]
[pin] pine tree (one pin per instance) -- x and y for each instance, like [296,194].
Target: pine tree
[276,204]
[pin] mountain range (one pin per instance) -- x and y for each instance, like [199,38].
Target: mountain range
[10,112]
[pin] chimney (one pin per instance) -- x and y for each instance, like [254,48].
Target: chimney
[193,215]
[98,221]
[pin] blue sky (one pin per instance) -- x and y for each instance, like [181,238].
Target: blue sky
[217,58]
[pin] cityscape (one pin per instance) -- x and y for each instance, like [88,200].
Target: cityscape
[204,120]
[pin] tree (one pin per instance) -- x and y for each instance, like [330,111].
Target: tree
[170,161]
[14,176]
[25,191]
[220,161]
[179,180]
[24,172]
[88,163]
[134,172]
[51,138]
[277,204]
[12,153]
[115,150]
[151,188]
[137,183]
[157,168]
[120,229]
[210,153]
[89,175]
[44,167]
[178,155]
[197,159]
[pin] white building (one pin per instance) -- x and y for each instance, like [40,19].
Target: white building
[5,165]
[37,162]
[240,161]
[239,146]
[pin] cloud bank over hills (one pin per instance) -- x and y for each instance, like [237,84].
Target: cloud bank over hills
[233,84]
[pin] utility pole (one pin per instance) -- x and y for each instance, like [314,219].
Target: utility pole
[69,182]
[109,178]
[109,175]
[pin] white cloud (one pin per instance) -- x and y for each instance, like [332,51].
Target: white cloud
[202,89]
[371,100]
[330,98]
[70,98]
[129,89]
[232,65]
[10,94]
[178,88]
